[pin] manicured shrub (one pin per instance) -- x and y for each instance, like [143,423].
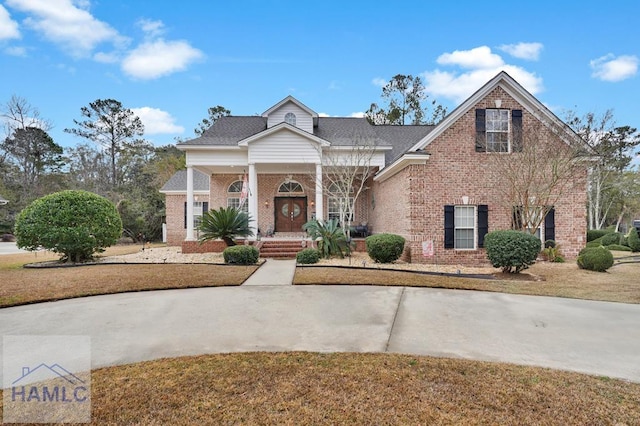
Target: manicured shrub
[617,247]
[633,240]
[384,248]
[308,256]
[74,224]
[595,259]
[510,250]
[595,243]
[612,238]
[241,255]
[593,234]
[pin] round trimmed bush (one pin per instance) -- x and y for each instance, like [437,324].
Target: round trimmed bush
[74,224]
[308,256]
[612,238]
[384,248]
[241,255]
[633,240]
[595,259]
[617,247]
[511,250]
[595,243]
[593,234]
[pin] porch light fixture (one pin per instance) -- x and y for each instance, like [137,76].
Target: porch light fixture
[312,203]
[266,203]
[465,200]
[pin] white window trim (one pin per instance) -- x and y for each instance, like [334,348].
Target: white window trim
[508,132]
[475,227]
[290,118]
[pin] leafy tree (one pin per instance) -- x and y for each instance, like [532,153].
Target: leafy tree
[75,224]
[404,96]
[226,224]
[35,154]
[214,114]
[612,151]
[112,126]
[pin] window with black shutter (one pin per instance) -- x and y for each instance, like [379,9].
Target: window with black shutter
[481,135]
[449,226]
[483,223]
[516,130]
[550,225]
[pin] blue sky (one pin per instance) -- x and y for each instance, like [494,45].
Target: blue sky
[170,61]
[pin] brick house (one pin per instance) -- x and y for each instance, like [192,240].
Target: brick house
[431,183]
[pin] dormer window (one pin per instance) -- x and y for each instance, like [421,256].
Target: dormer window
[290,118]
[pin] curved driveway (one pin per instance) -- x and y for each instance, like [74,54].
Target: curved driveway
[594,337]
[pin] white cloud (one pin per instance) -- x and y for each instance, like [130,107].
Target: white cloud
[158,58]
[380,82]
[8,27]
[357,114]
[67,24]
[479,57]
[151,28]
[528,51]
[610,68]
[157,121]
[16,51]
[480,65]
[107,58]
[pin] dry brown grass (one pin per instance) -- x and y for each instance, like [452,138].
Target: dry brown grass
[21,286]
[618,284]
[310,388]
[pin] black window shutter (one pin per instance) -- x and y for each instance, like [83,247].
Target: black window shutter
[483,223]
[516,128]
[205,207]
[481,126]
[516,221]
[185,215]
[550,225]
[449,226]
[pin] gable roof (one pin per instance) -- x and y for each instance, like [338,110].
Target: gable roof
[293,100]
[514,89]
[178,182]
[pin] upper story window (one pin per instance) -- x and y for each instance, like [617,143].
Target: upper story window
[290,118]
[499,130]
[497,127]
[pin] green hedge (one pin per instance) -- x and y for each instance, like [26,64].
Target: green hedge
[633,240]
[593,234]
[617,247]
[595,259]
[512,251]
[612,238]
[75,224]
[385,248]
[308,256]
[241,255]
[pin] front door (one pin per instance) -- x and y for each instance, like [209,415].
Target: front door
[291,213]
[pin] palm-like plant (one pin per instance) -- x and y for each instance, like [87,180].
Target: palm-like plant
[226,224]
[329,236]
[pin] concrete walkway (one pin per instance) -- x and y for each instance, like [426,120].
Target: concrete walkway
[601,338]
[273,272]
[10,248]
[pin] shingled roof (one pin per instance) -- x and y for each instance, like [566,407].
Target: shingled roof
[178,182]
[338,131]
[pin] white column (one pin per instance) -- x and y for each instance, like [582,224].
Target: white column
[319,193]
[190,233]
[253,198]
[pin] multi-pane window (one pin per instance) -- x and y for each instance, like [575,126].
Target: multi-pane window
[336,205]
[497,130]
[234,196]
[464,234]
[290,118]
[197,213]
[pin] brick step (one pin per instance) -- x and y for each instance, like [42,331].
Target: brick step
[281,249]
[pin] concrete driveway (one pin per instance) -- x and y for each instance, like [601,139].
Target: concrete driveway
[10,248]
[601,338]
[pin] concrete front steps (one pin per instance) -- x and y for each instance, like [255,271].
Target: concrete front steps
[282,249]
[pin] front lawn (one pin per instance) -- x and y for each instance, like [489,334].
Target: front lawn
[310,388]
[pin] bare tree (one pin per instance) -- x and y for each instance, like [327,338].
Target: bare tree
[18,113]
[543,169]
[345,172]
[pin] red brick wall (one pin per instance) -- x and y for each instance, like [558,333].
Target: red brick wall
[175,219]
[411,203]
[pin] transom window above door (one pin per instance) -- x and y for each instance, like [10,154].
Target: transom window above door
[290,118]
[290,186]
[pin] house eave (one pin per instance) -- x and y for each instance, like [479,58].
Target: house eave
[185,147]
[283,126]
[400,164]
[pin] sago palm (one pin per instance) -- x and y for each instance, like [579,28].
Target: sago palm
[329,236]
[226,224]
